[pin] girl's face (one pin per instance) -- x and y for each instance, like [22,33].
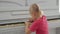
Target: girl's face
[33,14]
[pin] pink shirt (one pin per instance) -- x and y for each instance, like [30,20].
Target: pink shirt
[40,26]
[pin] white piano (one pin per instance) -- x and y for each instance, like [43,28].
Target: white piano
[12,11]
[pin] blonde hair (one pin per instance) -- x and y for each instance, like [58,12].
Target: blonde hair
[36,8]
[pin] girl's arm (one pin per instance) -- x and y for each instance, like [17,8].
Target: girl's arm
[27,24]
[32,28]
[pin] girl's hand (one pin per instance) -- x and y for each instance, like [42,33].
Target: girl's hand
[30,19]
[27,24]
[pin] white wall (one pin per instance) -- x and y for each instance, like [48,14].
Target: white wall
[15,9]
[9,7]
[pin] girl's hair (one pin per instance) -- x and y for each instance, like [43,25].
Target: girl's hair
[35,8]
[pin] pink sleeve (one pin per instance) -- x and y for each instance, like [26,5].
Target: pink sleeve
[34,26]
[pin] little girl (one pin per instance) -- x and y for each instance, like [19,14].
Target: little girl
[39,21]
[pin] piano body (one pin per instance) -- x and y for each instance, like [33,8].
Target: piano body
[12,11]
